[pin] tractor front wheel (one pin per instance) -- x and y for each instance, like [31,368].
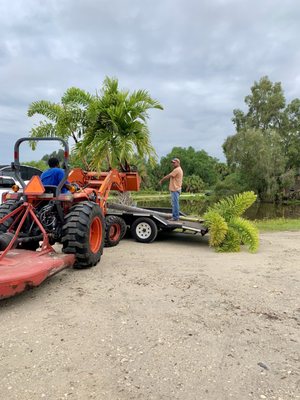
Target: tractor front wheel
[115,229]
[83,234]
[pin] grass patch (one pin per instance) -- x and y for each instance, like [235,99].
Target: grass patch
[278,224]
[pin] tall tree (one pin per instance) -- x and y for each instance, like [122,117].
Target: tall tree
[193,163]
[259,159]
[266,105]
[60,155]
[290,134]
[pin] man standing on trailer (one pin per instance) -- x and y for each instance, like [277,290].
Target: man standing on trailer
[175,185]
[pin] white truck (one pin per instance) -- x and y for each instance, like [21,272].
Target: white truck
[7,177]
[6,183]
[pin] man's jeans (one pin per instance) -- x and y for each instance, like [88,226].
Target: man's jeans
[175,204]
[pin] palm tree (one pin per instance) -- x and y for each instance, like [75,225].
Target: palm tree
[111,126]
[118,126]
[67,119]
[227,229]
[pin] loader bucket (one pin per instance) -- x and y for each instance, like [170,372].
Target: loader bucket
[23,269]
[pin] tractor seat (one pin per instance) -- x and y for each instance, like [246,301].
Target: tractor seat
[50,189]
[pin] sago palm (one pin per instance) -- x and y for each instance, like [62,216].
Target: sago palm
[227,229]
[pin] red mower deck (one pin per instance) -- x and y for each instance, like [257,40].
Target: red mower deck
[23,269]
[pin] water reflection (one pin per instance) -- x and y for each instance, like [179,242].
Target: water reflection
[268,211]
[257,211]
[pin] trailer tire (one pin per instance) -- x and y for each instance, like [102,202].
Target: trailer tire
[83,234]
[113,230]
[144,230]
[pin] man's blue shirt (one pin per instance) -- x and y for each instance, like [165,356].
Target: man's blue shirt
[53,176]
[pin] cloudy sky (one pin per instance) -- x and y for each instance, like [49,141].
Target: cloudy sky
[199,58]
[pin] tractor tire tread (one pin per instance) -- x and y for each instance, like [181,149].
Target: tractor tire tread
[76,234]
[111,220]
[5,209]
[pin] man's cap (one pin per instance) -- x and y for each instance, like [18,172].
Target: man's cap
[175,159]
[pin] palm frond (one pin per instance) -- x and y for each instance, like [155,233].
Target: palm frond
[217,227]
[234,206]
[141,99]
[77,96]
[247,232]
[48,109]
[231,242]
[45,129]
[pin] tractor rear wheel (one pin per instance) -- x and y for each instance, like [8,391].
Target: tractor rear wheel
[5,239]
[6,208]
[115,229]
[83,234]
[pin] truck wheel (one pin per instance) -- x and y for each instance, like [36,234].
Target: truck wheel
[5,209]
[113,230]
[83,234]
[144,230]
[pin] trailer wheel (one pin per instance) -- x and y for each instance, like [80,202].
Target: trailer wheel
[144,230]
[113,230]
[83,234]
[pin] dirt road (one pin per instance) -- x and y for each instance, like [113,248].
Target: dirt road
[165,321]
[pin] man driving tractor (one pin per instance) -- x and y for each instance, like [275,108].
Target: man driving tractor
[54,175]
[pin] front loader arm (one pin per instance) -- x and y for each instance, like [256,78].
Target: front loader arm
[114,180]
[102,183]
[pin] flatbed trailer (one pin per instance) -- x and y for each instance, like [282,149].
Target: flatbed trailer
[145,223]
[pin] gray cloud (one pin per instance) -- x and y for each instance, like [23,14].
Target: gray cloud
[199,58]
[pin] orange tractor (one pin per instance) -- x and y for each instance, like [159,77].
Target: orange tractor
[33,219]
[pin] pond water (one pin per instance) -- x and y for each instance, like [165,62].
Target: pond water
[257,211]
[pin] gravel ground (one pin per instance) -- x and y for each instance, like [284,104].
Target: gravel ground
[165,321]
